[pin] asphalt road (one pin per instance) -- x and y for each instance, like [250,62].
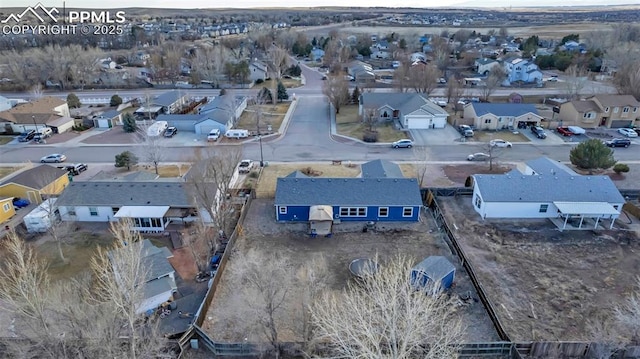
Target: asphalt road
[307,137]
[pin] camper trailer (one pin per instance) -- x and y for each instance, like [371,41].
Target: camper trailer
[237,134]
[157,128]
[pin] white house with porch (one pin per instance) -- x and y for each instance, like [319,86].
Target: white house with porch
[151,206]
[548,189]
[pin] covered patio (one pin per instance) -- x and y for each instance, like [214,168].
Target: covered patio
[595,211]
[145,218]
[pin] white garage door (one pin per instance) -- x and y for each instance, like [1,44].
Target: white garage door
[418,123]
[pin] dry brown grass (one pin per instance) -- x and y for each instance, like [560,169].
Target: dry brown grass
[486,136]
[5,171]
[5,139]
[288,83]
[271,115]
[349,124]
[78,251]
[266,187]
[165,171]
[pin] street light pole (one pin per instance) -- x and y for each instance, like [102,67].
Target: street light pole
[261,156]
[33,117]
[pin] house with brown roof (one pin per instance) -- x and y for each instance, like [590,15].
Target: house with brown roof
[35,184]
[611,111]
[44,112]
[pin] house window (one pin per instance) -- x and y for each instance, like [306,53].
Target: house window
[615,207]
[71,211]
[6,207]
[543,208]
[589,115]
[487,120]
[93,211]
[282,209]
[615,110]
[156,222]
[353,211]
[635,109]
[625,110]
[606,109]
[383,212]
[115,210]
[478,201]
[407,212]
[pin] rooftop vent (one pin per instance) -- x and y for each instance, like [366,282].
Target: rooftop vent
[148,202]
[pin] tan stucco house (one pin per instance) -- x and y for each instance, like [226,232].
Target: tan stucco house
[47,111]
[611,111]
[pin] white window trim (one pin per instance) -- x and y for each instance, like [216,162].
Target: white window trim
[355,209]
[282,209]
[91,213]
[71,211]
[625,110]
[404,214]
[6,207]
[616,109]
[546,208]
[379,208]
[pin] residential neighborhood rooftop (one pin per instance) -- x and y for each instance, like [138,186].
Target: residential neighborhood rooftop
[547,166]
[125,194]
[503,109]
[167,98]
[348,191]
[381,169]
[548,188]
[36,177]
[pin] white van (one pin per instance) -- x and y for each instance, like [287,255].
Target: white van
[237,134]
[213,135]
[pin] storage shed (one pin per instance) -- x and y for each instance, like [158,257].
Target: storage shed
[41,218]
[435,271]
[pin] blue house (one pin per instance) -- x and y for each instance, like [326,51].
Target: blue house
[348,199]
[435,272]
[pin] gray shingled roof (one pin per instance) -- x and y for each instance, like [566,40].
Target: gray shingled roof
[617,100]
[546,188]
[297,174]
[109,114]
[435,267]
[167,98]
[381,169]
[547,166]
[348,192]
[177,118]
[585,106]
[405,102]
[117,194]
[37,177]
[503,109]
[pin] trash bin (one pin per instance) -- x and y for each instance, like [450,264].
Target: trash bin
[173,305]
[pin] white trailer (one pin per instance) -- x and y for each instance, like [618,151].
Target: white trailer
[41,218]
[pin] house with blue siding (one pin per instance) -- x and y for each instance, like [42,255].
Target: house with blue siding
[348,199]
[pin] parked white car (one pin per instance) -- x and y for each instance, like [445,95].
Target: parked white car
[500,143]
[627,132]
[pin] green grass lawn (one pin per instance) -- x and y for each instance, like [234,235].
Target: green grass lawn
[349,124]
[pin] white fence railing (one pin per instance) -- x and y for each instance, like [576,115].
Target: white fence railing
[101,100]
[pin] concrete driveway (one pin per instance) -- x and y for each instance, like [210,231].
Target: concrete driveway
[553,138]
[435,136]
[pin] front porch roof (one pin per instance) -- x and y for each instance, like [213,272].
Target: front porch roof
[142,212]
[586,208]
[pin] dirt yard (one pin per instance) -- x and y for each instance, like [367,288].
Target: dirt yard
[546,284]
[459,174]
[271,116]
[230,319]
[348,124]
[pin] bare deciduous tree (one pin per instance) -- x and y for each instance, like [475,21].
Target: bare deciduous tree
[422,155]
[210,182]
[605,339]
[454,92]
[336,88]
[279,58]
[401,77]
[312,278]
[384,316]
[493,82]
[424,78]
[627,79]
[265,282]
[370,118]
[575,82]
[119,274]
[152,147]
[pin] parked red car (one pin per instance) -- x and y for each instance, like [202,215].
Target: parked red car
[564,131]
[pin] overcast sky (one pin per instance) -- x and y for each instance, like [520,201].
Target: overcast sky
[189,4]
